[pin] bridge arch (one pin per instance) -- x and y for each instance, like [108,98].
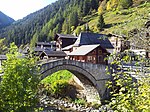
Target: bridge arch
[95,74]
[73,69]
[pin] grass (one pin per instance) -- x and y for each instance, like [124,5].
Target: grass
[60,75]
[120,22]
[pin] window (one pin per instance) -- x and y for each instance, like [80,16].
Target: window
[100,51]
[101,58]
[94,58]
[89,58]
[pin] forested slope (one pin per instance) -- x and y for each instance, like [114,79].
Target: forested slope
[69,16]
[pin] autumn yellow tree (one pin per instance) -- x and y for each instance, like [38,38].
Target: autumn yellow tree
[112,4]
[102,7]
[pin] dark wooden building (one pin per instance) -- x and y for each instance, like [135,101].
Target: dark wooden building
[44,46]
[87,38]
[52,55]
[64,40]
[90,53]
[49,45]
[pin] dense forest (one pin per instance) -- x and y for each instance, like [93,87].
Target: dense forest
[63,16]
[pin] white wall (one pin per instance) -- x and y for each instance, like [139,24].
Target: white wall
[110,51]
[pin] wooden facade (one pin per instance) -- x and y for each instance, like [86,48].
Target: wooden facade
[49,45]
[52,55]
[95,56]
[63,40]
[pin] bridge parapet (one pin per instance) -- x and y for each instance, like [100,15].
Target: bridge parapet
[96,70]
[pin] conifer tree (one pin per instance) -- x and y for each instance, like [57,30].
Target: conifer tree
[94,4]
[65,27]
[34,40]
[101,23]
[73,19]
[86,7]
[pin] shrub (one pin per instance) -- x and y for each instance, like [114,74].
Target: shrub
[18,88]
[59,87]
[80,101]
[128,95]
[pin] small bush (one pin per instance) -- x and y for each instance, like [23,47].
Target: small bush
[96,105]
[125,12]
[127,93]
[59,87]
[80,101]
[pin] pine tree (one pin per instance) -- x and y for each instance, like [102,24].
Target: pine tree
[65,27]
[86,7]
[34,40]
[73,19]
[94,4]
[101,23]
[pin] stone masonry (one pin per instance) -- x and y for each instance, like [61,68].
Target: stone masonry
[94,73]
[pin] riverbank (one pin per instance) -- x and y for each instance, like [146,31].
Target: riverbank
[50,104]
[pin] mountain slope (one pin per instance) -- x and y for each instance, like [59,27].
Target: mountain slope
[121,22]
[53,16]
[68,16]
[5,20]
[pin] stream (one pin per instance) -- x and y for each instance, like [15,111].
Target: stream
[61,105]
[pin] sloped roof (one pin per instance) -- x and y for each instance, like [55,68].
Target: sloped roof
[54,53]
[115,35]
[83,50]
[45,43]
[87,38]
[39,49]
[68,47]
[65,36]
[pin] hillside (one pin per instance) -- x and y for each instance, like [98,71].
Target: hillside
[5,20]
[69,16]
[121,22]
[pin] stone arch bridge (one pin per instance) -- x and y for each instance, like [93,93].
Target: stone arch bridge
[94,73]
